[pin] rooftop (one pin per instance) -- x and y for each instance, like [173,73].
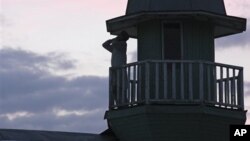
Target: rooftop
[214,6]
[33,135]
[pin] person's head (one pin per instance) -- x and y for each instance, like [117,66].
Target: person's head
[123,36]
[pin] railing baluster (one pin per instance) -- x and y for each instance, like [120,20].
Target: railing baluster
[118,87]
[157,81]
[133,84]
[123,85]
[227,87]
[111,98]
[147,87]
[190,81]
[221,86]
[139,98]
[201,89]
[165,79]
[209,97]
[174,81]
[233,100]
[129,89]
[215,83]
[182,82]
[241,90]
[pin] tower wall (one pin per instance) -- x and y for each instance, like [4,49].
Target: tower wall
[174,123]
[198,41]
[149,40]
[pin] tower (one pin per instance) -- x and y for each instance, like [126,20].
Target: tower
[176,91]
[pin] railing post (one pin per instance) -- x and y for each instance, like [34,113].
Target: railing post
[209,97]
[157,81]
[133,84]
[201,78]
[124,81]
[233,99]
[118,87]
[215,83]
[174,81]
[241,89]
[165,79]
[139,95]
[129,89]
[221,86]
[182,81]
[227,87]
[111,98]
[190,81]
[147,86]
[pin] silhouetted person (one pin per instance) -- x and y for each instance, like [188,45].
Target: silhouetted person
[118,48]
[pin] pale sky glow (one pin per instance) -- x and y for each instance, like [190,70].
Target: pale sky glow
[64,37]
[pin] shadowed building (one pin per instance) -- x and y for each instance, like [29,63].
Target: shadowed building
[175,91]
[31,135]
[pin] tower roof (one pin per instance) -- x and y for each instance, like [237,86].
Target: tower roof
[211,11]
[214,6]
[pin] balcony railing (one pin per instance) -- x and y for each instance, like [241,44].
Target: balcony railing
[177,82]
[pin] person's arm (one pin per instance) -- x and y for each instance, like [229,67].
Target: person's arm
[107,45]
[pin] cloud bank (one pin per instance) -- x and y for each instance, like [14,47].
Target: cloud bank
[31,97]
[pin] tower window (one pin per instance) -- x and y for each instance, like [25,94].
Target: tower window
[172,41]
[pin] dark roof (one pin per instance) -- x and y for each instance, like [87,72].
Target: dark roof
[214,6]
[223,25]
[212,11]
[32,135]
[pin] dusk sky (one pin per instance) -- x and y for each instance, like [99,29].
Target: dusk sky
[54,71]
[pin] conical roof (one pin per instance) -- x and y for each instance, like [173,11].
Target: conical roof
[214,6]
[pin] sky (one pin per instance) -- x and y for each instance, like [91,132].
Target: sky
[54,72]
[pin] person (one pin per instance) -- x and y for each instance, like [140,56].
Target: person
[118,48]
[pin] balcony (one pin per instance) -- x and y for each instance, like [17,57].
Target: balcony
[176,82]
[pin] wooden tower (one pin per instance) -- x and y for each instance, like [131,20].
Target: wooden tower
[176,91]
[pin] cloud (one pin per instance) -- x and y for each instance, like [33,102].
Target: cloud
[31,97]
[247,99]
[23,60]
[247,89]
